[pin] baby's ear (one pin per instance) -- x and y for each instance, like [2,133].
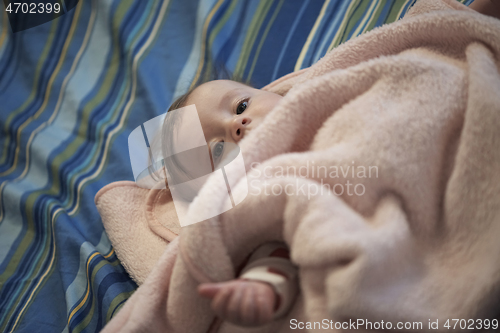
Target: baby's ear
[139,223]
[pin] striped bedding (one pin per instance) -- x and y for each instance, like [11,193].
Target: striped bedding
[72,89]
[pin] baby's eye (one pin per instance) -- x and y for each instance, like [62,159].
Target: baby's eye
[218,149]
[241,107]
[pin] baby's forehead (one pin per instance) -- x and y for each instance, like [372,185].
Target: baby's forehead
[222,85]
[214,90]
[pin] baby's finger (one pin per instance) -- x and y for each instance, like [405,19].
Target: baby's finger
[221,300]
[233,309]
[249,307]
[209,290]
[264,302]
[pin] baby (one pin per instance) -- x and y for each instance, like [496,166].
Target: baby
[228,109]
[267,283]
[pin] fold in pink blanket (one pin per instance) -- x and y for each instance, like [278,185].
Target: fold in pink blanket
[379,168]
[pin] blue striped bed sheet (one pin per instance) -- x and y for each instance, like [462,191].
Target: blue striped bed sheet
[72,89]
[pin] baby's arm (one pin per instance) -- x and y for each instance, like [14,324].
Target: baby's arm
[264,291]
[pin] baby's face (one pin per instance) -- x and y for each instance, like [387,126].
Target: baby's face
[228,110]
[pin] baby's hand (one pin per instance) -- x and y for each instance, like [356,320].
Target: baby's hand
[241,302]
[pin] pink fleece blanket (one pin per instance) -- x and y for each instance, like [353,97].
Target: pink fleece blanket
[402,226]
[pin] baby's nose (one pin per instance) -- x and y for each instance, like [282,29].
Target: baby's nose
[239,126]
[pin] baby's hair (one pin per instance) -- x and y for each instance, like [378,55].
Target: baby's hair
[217,73]
[171,122]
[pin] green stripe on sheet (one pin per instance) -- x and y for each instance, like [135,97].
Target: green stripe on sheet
[396,9]
[263,39]
[94,102]
[161,9]
[343,26]
[376,15]
[92,299]
[214,33]
[251,36]
[355,19]
[117,303]
[31,97]
[12,266]
[47,93]
[107,84]
[54,189]
[206,24]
